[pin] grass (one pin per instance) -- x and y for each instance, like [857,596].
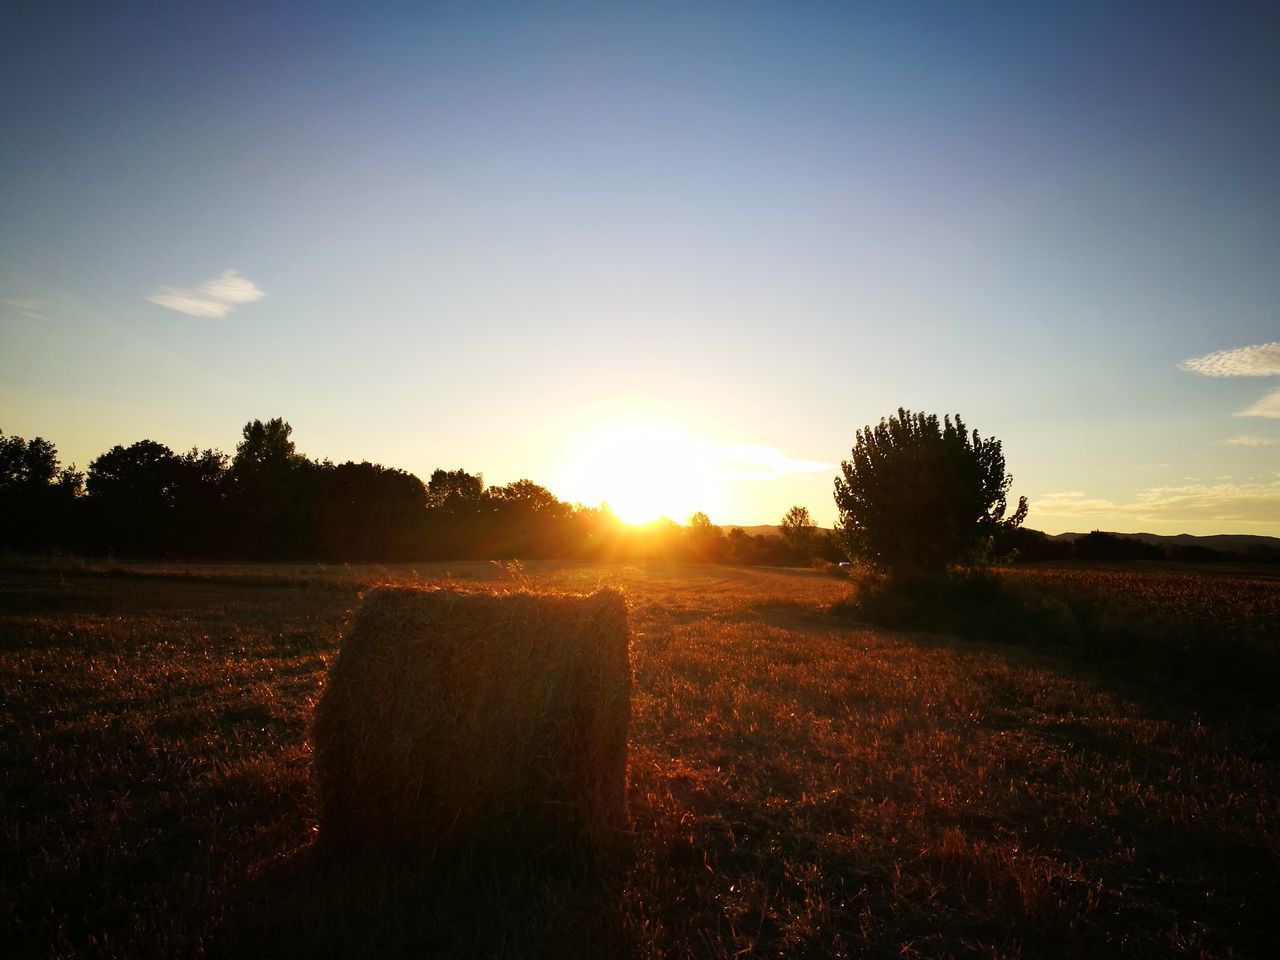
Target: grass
[1214,639]
[799,786]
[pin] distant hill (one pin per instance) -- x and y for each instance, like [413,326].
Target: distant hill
[759,530]
[1219,541]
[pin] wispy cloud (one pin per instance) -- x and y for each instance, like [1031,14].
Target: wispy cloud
[1266,406]
[1070,503]
[1251,501]
[1246,440]
[213,299]
[752,461]
[1260,360]
[33,309]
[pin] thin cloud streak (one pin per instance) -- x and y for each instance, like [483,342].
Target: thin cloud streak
[1246,440]
[1260,360]
[213,299]
[1266,406]
[753,461]
[33,309]
[1222,502]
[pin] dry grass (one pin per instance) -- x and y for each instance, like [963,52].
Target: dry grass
[798,788]
[1243,601]
[1212,639]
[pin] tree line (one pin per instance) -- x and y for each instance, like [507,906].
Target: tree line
[270,502]
[918,494]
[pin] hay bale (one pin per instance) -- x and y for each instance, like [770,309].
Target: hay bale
[475,721]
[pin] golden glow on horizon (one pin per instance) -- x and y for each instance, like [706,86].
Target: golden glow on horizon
[643,471]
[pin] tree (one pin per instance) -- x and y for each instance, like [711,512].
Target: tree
[266,448]
[798,532]
[526,496]
[131,495]
[918,495]
[39,501]
[370,512]
[455,490]
[705,540]
[27,466]
[527,521]
[273,493]
[146,499]
[143,473]
[199,499]
[457,520]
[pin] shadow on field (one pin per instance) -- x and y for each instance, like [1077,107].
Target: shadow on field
[1217,649]
[305,905]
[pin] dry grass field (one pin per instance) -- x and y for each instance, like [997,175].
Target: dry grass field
[799,786]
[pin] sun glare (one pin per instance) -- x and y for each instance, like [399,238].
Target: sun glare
[643,471]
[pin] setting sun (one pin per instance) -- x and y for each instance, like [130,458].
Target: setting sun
[643,471]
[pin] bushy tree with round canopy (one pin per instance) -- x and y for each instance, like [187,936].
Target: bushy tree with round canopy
[919,495]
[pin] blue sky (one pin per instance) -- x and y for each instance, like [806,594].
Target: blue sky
[486,235]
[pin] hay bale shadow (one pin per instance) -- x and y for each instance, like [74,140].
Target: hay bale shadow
[310,906]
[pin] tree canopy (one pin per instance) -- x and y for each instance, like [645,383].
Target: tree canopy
[799,532]
[37,496]
[919,494]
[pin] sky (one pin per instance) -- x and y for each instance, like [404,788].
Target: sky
[682,251]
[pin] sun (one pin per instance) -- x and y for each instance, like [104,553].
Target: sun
[642,471]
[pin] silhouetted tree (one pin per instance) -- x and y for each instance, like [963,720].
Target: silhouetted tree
[26,465]
[265,447]
[918,495]
[458,514]
[142,472]
[527,496]
[200,502]
[39,500]
[131,495]
[799,533]
[146,500]
[273,494]
[370,512]
[528,521]
[455,490]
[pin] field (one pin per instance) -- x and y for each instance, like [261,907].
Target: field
[800,785]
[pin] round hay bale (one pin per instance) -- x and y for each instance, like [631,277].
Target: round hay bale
[475,721]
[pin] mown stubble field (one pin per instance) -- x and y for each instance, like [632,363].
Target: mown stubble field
[799,786]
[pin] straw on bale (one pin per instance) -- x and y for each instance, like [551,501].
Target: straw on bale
[475,721]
